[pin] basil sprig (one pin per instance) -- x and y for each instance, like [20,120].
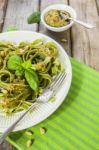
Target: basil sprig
[21,68]
[34,17]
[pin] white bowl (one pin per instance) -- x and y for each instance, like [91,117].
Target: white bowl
[44,110]
[67,8]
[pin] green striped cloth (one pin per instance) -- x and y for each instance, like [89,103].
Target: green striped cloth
[75,125]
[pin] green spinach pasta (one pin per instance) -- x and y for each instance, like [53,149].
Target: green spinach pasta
[25,70]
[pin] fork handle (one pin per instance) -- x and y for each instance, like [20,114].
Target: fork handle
[10,128]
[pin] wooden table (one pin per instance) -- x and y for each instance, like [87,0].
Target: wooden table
[83,44]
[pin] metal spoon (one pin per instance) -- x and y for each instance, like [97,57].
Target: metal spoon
[87,25]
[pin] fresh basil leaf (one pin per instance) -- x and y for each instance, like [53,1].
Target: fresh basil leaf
[14,62]
[19,72]
[27,64]
[34,17]
[32,79]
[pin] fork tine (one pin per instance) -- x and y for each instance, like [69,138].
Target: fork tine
[52,89]
[56,79]
[53,82]
[59,82]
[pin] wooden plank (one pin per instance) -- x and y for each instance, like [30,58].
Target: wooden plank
[97,5]
[17,13]
[54,35]
[6,146]
[3,5]
[85,45]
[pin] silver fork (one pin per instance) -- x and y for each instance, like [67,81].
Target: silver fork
[49,91]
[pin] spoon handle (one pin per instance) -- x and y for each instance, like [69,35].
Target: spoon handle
[87,25]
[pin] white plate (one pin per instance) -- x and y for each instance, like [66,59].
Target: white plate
[44,110]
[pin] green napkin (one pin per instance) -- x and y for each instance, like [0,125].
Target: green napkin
[75,125]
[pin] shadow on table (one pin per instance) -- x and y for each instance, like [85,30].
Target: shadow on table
[16,135]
